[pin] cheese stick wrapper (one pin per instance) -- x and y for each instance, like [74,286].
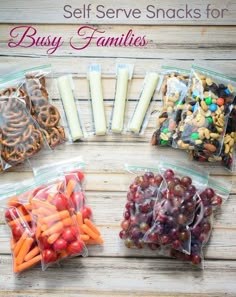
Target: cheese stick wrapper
[68,101]
[95,84]
[123,76]
[150,85]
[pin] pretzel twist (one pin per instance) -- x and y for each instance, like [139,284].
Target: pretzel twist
[20,138]
[48,116]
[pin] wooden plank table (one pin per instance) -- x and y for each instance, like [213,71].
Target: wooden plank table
[112,269]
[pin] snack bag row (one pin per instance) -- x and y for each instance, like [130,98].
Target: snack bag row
[31,122]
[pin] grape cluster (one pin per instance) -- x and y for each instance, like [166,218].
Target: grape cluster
[173,212]
[138,213]
[201,227]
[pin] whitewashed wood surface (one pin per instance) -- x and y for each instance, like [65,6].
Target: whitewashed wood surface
[113,270]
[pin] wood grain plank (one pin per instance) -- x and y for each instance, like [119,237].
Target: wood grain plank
[78,66]
[108,159]
[165,53]
[88,293]
[124,276]
[26,11]
[101,181]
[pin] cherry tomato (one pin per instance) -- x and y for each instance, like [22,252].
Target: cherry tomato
[17,231]
[78,200]
[44,243]
[80,175]
[11,214]
[86,212]
[24,211]
[75,247]
[49,256]
[59,245]
[40,193]
[61,202]
[70,234]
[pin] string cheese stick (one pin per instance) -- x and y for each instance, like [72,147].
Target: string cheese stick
[120,100]
[70,108]
[95,82]
[150,85]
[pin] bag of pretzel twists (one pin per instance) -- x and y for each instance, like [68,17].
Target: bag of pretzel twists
[20,135]
[38,82]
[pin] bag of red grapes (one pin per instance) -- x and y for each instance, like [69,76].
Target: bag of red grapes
[141,197]
[208,201]
[175,206]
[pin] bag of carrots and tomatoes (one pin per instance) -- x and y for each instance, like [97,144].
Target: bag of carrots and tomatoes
[48,217]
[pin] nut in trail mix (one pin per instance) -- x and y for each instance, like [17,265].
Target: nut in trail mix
[174,89]
[227,152]
[204,121]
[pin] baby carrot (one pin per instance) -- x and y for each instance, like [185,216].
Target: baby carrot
[21,209]
[56,217]
[89,231]
[67,222]
[38,232]
[13,244]
[70,187]
[52,238]
[92,226]
[19,244]
[41,211]
[39,203]
[36,212]
[24,250]
[28,207]
[13,201]
[34,252]
[79,218]
[29,263]
[44,227]
[56,228]
[26,218]
[84,237]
